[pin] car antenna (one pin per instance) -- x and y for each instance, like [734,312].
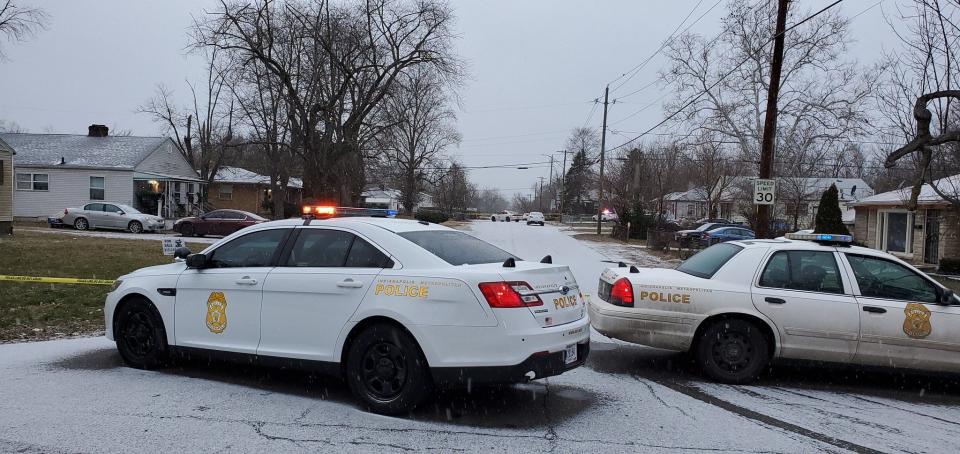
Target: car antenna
[634,269]
[546,259]
[621,264]
[510,263]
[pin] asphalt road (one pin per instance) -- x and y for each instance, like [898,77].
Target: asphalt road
[75,396]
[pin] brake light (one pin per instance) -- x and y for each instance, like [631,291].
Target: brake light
[509,294]
[621,294]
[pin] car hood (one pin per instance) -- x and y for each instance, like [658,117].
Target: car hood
[174,268]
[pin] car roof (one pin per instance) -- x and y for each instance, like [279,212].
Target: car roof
[391,224]
[784,243]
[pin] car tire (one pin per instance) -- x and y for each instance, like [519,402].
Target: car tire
[387,371]
[135,227]
[493,219]
[508,219]
[140,335]
[81,224]
[187,230]
[732,351]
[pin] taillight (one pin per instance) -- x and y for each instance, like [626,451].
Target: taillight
[621,294]
[509,294]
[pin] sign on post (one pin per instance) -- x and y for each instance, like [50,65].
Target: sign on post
[171,244]
[764,192]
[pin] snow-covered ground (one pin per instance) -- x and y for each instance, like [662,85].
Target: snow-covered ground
[116,234]
[75,396]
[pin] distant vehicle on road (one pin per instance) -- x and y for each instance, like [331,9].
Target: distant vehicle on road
[505,216]
[724,234]
[217,222]
[108,215]
[535,217]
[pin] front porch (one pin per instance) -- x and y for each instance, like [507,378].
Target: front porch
[167,197]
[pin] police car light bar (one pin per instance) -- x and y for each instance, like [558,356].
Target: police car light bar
[820,237]
[326,211]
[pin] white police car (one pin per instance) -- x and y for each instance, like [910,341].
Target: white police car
[737,305]
[395,306]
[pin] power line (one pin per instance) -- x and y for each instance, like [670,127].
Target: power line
[695,98]
[636,69]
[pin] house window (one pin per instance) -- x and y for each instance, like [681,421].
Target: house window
[96,188]
[32,182]
[894,231]
[225,192]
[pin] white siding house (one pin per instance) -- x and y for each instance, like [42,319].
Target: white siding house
[57,171]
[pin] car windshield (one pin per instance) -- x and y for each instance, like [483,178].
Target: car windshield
[706,262]
[457,248]
[128,209]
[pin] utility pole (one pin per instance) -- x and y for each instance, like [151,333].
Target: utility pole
[770,122]
[540,196]
[563,182]
[603,146]
[551,180]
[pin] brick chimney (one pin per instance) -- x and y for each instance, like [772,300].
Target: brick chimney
[97,131]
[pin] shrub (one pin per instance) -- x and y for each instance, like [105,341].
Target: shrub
[829,218]
[950,266]
[436,217]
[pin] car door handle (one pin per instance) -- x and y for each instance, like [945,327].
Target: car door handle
[773,300]
[246,280]
[350,283]
[875,310]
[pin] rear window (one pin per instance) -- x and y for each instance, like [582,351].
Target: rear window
[706,262]
[457,248]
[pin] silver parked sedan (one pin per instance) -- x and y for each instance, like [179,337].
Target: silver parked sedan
[106,215]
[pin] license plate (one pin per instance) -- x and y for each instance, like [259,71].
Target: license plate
[570,354]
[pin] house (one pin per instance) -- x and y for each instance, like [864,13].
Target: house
[241,189]
[57,171]
[920,237]
[381,197]
[689,204]
[6,188]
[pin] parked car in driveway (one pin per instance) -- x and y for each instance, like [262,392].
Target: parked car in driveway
[108,215]
[724,234]
[217,222]
[692,236]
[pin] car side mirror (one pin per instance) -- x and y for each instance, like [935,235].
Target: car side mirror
[181,253]
[121,213]
[947,298]
[197,261]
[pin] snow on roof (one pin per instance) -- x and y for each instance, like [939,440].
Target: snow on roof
[74,150]
[695,194]
[239,175]
[949,185]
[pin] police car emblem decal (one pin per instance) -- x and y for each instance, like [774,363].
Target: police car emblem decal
[217,312]
[916,324]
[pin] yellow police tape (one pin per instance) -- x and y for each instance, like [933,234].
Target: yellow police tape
[56,280]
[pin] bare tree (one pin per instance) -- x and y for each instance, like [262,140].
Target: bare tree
[453,192]
[819,96]
[11,126]
[925,76]
[20,23]
[420,128]
[335,63]
[203,130]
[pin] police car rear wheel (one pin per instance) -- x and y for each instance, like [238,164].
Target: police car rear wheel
[732,351]
[386,370]
[140,335]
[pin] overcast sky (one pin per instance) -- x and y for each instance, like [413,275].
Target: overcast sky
[535,67]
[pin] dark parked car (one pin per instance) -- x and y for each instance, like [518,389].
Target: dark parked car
[724,234]
[216,222]
[688,237]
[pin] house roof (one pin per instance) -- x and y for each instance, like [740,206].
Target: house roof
[691,195]
[74,150]
[239,175]
[6,147]
[928,196]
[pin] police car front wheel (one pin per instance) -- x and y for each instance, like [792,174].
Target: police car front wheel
[386,370]
[732,351]
[141,339]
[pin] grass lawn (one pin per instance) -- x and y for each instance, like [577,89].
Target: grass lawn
[30,311]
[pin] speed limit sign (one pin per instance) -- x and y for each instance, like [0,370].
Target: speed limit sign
[764,192]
